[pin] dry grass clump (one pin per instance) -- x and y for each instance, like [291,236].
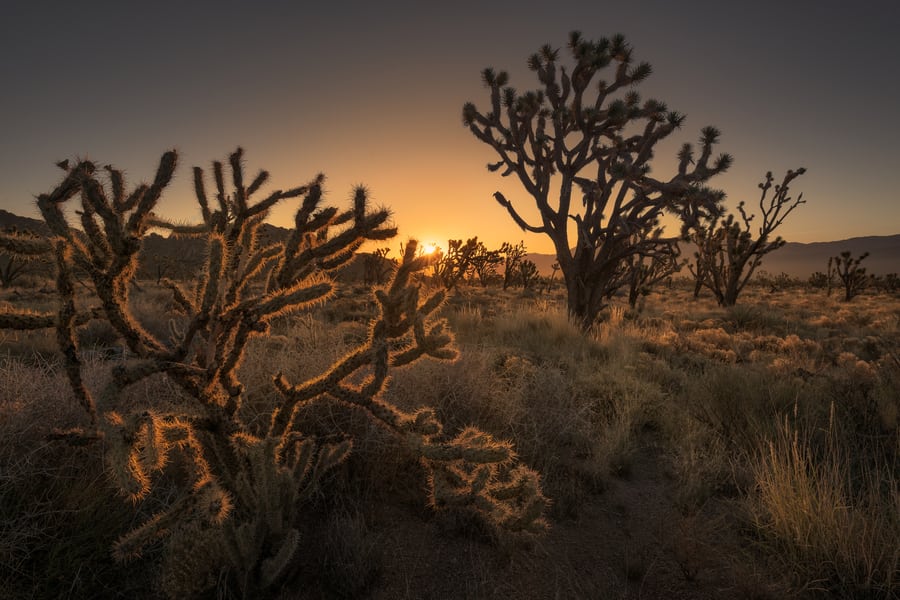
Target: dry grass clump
[834,531]
[59,513]
[819,488]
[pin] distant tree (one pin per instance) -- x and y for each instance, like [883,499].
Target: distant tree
[11,268]
[727,251]
[820,280]
[582,148]
[483,263]
[645,271]
[852,276]
[775,283]
[698,267]
[887,283]
[554,268]
[377,266]
[452,266]
[528,273]
[512,255]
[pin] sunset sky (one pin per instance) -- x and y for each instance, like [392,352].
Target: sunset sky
[371,92]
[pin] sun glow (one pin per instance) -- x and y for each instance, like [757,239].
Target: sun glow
[430,248]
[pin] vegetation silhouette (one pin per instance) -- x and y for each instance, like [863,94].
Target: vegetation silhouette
[728,253]
[577,135]
[851,275]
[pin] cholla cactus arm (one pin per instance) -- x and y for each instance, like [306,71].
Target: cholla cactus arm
[110,256]
[49,204]
[308,248]
[65,332]
[399,309]
[25,245]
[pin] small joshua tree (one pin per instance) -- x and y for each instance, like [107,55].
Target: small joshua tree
[591,142]
[553,270]
[484,263]
[247,482]
[451,267]
[528,274]
[377,266]
[852,276]
[645,271]
[512,255]
[727,251]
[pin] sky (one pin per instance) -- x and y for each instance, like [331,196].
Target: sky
[371,93]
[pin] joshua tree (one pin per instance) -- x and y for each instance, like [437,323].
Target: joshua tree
[528,273]
[452,266]
[852,276]
[377,266]
[246,480]
[595,139]
[512,256]
[484,262]
[646,271]
[728,253]
[698,268]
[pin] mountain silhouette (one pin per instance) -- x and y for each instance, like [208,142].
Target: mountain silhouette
[794,258]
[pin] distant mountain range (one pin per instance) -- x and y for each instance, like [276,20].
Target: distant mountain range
[9,220]
[795,259]
[802,260]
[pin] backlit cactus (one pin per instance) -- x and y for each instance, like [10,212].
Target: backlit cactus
[246,485]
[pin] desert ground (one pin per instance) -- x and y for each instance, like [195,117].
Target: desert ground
[687,450]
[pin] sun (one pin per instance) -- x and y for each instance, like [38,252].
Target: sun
[430,248]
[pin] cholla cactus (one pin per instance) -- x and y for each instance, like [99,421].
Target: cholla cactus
[246,485]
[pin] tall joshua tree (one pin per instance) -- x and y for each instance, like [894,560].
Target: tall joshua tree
[727,251]
[578,134]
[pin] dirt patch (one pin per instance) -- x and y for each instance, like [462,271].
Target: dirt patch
[629,541]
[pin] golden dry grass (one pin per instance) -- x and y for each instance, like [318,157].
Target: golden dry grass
[779,418]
